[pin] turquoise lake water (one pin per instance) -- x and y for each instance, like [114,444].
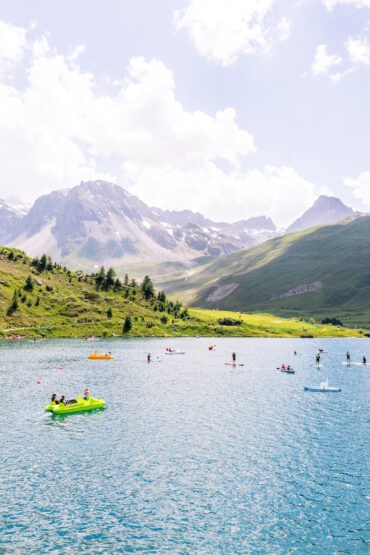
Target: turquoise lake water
[190,455]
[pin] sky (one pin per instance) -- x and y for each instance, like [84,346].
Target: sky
[233,108]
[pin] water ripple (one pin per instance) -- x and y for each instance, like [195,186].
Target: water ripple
[190,456]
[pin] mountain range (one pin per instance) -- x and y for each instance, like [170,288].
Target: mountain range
[321,272]
[98,223]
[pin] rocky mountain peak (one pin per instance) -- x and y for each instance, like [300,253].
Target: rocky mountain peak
[324,211]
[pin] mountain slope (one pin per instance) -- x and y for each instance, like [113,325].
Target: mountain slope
[324,211]
[52,301]
[320,272]
[9,220]
[100,223]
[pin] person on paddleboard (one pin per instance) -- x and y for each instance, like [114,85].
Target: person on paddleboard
[348,356]
[233,356]
[149,357]
[363,360]
[318,358]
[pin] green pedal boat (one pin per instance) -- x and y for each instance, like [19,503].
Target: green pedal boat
[78,405]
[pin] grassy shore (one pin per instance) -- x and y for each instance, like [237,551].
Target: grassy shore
[269,325]
[62,303]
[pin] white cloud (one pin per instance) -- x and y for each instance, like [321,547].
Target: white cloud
[152,129]
[222,30]
[360,187]
[331,4]
[358,50]
[358,54]
[324,62]
[336,77]
[58,129]
[278,192]
[12,44]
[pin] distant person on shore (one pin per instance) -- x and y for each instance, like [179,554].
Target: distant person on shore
[348,356]
[234,357]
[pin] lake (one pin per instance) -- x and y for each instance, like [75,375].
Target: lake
[190,455]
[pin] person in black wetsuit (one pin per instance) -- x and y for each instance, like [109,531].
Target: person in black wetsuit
[318,358]
[363,360]
[233,356]
[64,401]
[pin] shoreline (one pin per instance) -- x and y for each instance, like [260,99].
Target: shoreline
[34,335]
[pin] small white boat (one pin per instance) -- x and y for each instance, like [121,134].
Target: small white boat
[174,352]
[324,388]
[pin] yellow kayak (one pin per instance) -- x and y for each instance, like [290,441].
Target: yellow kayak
[97,356]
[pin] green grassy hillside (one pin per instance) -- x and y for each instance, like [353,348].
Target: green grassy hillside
[322,272]
[41,299]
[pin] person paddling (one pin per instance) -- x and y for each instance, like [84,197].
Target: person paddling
[318,358]
[348,357]
[149,357]
[363,360]
[234,357]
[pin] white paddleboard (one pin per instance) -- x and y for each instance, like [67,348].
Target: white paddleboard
[233,364]
[356,363]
